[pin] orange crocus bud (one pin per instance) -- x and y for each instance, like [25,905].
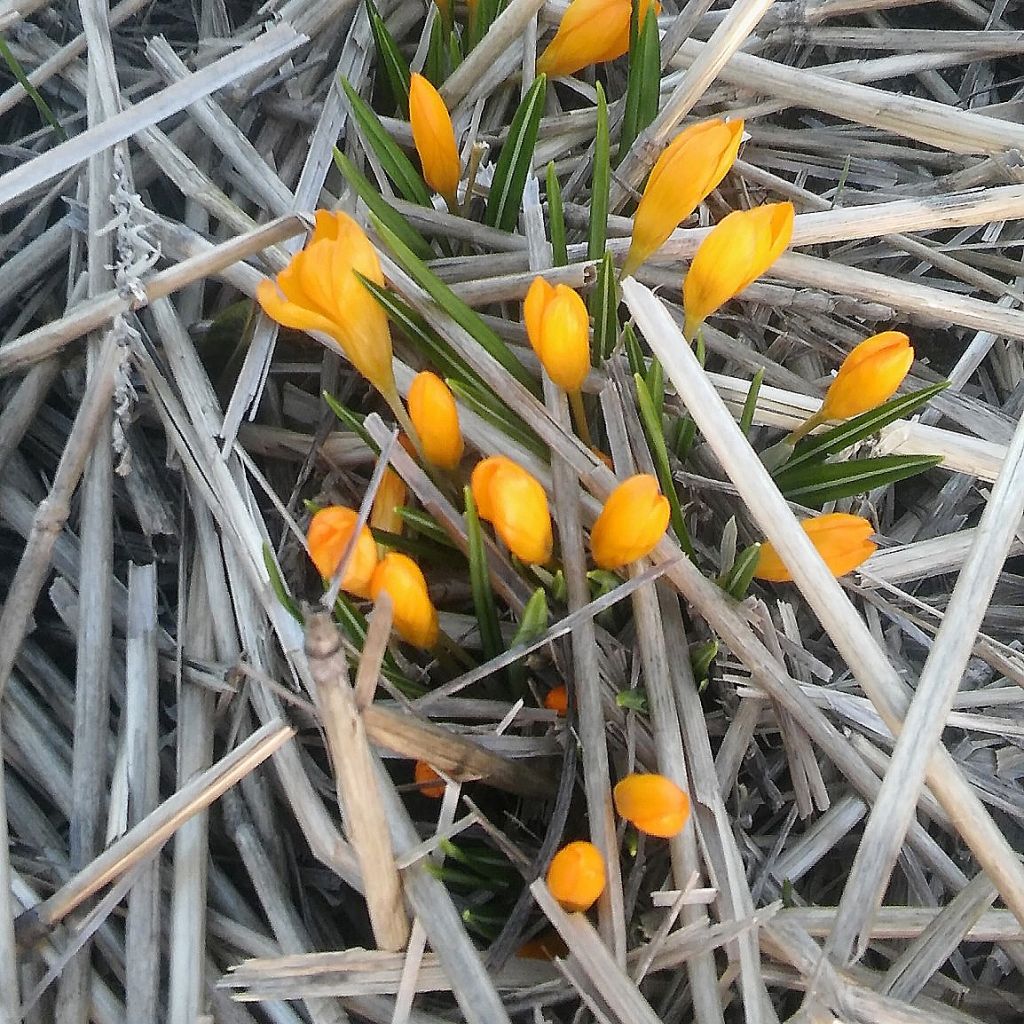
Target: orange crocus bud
[739,249]
[558,327]
[652,804]
[319,291]
[328,536]
[434,137]
[415,617]
[841,540]
[557,700]
[507,496]
[576,876]
[436,418]
[430,783]
[591,31]
[389,498]
[545,946]
[870,375]
[633,520]
[691,166]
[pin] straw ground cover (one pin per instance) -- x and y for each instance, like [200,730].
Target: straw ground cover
[240,786]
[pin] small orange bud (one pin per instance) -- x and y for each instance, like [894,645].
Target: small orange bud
[739,249]
[319,291]
[434,138]
[652,804]
[590,32]
[576,876]
[558,327]
[633,520]
[870,375]
[430,783]
[436,418]
[389,498]
[328,536]
[686,173]
[415,617]
[841,540]
[507,496]
[557,700]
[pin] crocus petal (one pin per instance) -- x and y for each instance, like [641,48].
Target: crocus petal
[435,415]
[653,804]
[565,339]
[539,294]
[327,538]
[522,519]
[288,314]
[590,31]
[840,539]
[633,520]
[870,375]
[414,615]
[434,137]
[576,876]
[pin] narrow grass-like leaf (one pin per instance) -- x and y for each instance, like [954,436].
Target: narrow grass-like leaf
[604,308]
[634,354]
[814,484]
[481,15]
[532,623]
[351,420]
[14,66]
[818,447]
[516,160]
[423,338]
[425,525]
[415,547]
[455,307]
[277,585]
[390,58]
[655,380]
[598,234]
[480,582]
[750,405]
[381,208]
[491,409]
[701,658]
[737,580]
[643,83]
[684,430]
[556,219]
[455,50]
[396,164]
[437,53]
[659,453]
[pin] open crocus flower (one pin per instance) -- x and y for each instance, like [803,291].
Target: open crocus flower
[436,418]
[319,291]
[558,326]
[328,536]
[739,249]
[653,804]
[576,876]
[841,540]
[590,32]
[515,503]
[414,614]
[434,138]
[633,520]
[686,173]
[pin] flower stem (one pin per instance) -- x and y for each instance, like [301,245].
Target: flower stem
[806,427]
[579,414]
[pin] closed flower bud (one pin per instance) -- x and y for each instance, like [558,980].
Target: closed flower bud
[558,327]
[436,418]
[545,946]
[841,540]
[434,138]
[633,520]
[870,375]
[430,783]
[739,249]
[686,173]
[414,615]
[327,537]
[590,32]
[652,804]
[557,700]
[512,500]
[319,291]
[389,498]
[576,876]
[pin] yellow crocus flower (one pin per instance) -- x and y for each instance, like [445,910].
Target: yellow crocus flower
[328,536]
[841,540]
[590,32]
[558,326]
[413,613]
[685,174]
[434,138]
[653,804]
[633,520]
[515,503]
[436,418]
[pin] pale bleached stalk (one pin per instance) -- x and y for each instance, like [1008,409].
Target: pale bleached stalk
[271,46]
[823,593]
[140,842]
[10,984]
[925,719]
